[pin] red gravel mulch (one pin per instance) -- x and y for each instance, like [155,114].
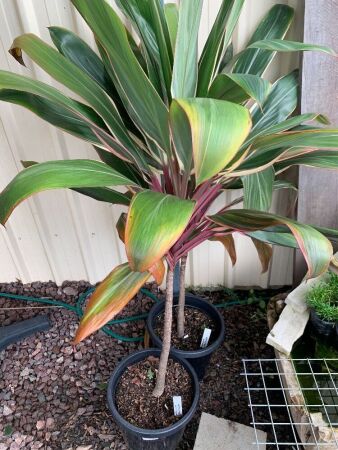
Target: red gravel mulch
[53,396]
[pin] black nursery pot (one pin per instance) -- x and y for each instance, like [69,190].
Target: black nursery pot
[147,439]
[199,359]
[322,328]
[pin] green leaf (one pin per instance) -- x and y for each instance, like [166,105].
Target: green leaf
[275,238]
[290,124]
[155,222]
[56,114]
[171,12]
[316,248]
[75,79]
[78,173]
[218,39]
[282,45]
[104,194]
[238,88]
[141,99]
[280,103]
[79,53]
[184,80]
[139,14]
[274,25]
[161,31]
[217,129]
[321,158]
[125,168]
[109,298]
[258,189]
[320,138]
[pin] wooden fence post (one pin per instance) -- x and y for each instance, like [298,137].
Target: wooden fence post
[318,188]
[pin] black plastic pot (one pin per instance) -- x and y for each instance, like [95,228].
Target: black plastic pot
[322,328]
[199,359]
[146,439]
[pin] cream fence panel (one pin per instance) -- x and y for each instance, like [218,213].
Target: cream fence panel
[62,235]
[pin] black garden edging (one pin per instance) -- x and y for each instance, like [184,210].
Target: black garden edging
[146,439]
[199,359]
[20,330]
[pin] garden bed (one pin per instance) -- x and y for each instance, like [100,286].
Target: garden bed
[53,396]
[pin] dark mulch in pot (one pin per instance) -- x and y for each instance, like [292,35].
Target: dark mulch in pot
[134,398]
[195,323]
[52,395]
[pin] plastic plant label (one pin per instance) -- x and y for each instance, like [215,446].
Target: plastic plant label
[205,337]
[177,401]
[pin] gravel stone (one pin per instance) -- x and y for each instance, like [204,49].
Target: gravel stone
[44,379]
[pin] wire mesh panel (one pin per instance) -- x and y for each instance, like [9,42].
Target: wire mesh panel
[275,405]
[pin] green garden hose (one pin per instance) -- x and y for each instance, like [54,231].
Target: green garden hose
[78,310]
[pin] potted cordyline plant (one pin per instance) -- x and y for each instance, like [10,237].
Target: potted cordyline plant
[177,131]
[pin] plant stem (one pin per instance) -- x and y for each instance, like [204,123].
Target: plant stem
[168,318]
[181,298]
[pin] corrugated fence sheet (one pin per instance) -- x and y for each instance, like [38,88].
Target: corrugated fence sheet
[62,235]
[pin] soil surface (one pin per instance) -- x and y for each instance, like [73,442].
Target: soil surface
[195,323]
[134,398]
[53,395]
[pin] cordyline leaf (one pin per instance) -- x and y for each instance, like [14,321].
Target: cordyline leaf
[79,53]
[238,88]
[158,271]
[143,103]
[102,194]
[289,124]
[56,114]
[131,171]
[316,248]
[229,244]
[139,15]
[155,221]
[258,189]
[161,31]
[171,12]
[282,45]
[218,41]
[77,173]
[275,238]
[184,79]
[321,158]
[109,298]
[280,103]
[274,25]
[320,138]
[264,253]
[75,79]
[216,128]
[121,226]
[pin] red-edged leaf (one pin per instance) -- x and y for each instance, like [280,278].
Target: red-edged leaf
[155,221]
[316,248]
[109,298]
[264,253]
[229,244]
[158,271]
[121,226]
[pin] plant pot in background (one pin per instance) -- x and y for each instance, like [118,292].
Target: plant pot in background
[322,328]
[199,359]
[147,439]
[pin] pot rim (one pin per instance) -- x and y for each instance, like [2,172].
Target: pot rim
[148,432]
[159,307]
